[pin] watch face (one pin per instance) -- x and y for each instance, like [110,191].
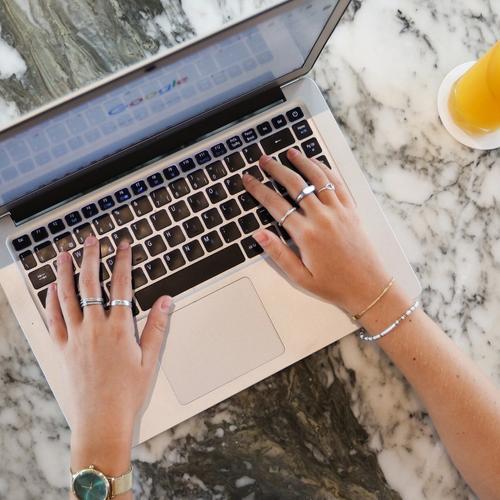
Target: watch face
[90,484]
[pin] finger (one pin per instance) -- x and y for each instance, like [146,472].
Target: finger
[284,257]
[314,174]
[275,204]
[121,280]
[292,181]
[90,286]
[341,191]
[154,332]
[55,320]
[66,291]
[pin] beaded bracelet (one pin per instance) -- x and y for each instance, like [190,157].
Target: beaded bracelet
[363,334]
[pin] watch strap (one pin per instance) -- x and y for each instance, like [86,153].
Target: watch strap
[120,484]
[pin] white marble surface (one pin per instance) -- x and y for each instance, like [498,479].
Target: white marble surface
[380,73]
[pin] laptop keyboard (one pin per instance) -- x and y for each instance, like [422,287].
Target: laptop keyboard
[186,224]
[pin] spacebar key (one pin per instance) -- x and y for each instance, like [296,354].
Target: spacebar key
[191,276]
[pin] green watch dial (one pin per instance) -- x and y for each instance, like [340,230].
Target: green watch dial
[91,485]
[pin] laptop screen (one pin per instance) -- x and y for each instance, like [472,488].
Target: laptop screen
[155,101]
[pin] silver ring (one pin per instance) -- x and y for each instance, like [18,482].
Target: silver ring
[288,212]
[309,189]
[121,302]
[91,301]
[328,186]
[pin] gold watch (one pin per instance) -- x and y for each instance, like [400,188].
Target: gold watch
[92,483]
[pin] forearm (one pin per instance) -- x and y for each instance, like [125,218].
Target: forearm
[463,403]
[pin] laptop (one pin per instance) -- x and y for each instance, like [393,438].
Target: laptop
[154,154]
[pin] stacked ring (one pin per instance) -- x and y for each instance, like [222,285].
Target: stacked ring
[91,301]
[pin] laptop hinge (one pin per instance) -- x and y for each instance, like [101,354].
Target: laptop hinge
[138,156]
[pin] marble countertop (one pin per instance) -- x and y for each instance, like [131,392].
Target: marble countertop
[344,423]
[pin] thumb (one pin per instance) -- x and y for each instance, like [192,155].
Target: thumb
[154,332]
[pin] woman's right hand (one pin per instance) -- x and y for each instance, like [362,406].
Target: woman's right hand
[337,260]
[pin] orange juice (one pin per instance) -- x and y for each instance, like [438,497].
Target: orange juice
[475,98]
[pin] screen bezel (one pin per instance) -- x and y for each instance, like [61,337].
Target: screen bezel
[102,86]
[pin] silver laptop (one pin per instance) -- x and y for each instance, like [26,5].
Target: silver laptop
[155,154]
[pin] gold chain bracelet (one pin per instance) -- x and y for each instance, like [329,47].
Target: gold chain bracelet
[356,317]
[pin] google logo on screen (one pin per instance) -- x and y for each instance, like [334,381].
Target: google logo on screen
[119,108]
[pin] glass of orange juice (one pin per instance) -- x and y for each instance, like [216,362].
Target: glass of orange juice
[474,101]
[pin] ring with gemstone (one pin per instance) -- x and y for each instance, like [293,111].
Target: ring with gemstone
[328,186]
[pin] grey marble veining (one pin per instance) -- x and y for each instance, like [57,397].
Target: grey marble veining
[343,423]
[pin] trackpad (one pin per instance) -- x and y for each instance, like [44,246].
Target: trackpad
[217,339]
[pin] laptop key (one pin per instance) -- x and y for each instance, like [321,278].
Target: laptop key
[211,218]
[138,278]
[234,142]
[56,226]
[39,234]
[249,135]
[279,121]
[252,153]
[247,201]
[160,197]
[264,215]
[78,256]
[73,218]
[103,224]
[174,236]
[193,227]
[171,172]
[216,170]
[323,159]
[160,220]
[179,188]
[216,193]
[141,206]
[139,255]
[42,295]
[27,260]
[230,232]
[219,150]
[230,209]
[234,184]
[251,247]
[174,259]
[21,242]
[277,141]
[193,250]
[106,203]
[122,235]
[155,180]
[82,232]
[311,147]
[234,162]
[155,245]
[202,157]
[211,241]
[264,128]
[141,229]
[123,195]
[302,130]
[139,187]
[187,164]
[64,242]
[45,252]
[155,269]
[179,210]
[122,214]
[89,210]
[255,172]
[248,223]
[105,247]
[197,202]
[295,114]
[41,277]
[189,277]
[197,179]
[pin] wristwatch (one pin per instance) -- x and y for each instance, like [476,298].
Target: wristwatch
[92,484]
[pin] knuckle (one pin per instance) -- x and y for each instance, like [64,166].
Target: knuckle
[122,279]
[88,281]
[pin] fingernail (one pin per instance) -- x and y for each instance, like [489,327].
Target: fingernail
[261,238]
[124,244]
[165,303]
[63,257]
[90,240]
[293,152]
[264,159]
[53,287]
